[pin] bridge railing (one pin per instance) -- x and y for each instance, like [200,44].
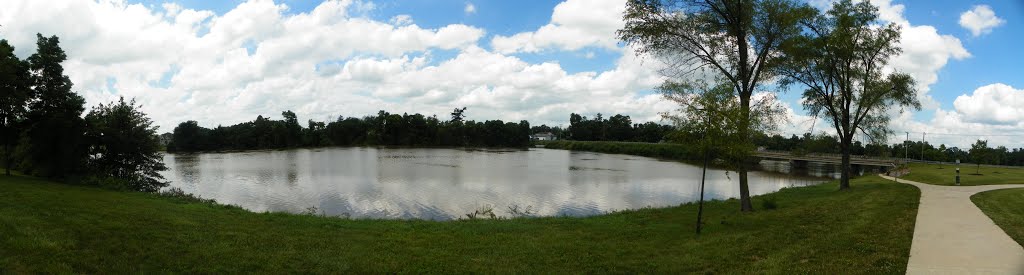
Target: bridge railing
[823,155]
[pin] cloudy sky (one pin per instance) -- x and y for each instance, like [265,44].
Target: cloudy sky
[224,62]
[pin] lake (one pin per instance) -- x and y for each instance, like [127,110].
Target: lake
[444,184]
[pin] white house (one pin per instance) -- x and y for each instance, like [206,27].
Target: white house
[543,136]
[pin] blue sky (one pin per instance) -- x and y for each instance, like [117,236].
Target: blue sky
[223,62]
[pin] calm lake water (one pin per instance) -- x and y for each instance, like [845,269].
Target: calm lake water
[443,184]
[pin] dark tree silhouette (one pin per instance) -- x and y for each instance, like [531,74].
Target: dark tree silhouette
[54,142]
[125,146]
[14,96]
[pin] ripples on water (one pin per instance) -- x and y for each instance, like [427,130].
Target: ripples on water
[442,184]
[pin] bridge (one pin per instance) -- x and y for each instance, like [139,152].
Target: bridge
[827,158]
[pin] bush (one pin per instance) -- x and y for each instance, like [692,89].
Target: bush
[106,182]
[177,193]
[654,150]
[769,203]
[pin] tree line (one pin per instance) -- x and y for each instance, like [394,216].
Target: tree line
[978,153]
[382,129]
[44,133]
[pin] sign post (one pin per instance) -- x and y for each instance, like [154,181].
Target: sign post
[958,172]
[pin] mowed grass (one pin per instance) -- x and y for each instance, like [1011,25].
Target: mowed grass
[47,227]
[945,174]
[1006,208]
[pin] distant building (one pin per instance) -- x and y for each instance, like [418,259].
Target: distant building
[543,136]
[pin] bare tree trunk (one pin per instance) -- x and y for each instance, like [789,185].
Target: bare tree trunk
[844,178]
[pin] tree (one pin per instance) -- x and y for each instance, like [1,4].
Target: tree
[187,137]
[840,62]
[980,153]
[458,115]
[737,41]
[14,96]
[292,129]
[126,146]
[718,104]
[54,142]
[619,128]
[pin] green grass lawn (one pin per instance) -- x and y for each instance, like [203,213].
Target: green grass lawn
[945,174]
[55,228]
[1006,208]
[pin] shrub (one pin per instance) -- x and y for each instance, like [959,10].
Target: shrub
[769,203]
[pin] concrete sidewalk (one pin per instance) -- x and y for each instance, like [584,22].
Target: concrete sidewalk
[953,236]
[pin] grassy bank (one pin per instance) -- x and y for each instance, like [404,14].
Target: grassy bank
[945,174]
[653,150]
[1006,208]
[49,227]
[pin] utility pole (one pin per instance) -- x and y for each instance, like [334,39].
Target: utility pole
[906,149]
[922,146]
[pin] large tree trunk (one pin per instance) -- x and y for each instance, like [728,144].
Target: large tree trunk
[745,204]
[844,178]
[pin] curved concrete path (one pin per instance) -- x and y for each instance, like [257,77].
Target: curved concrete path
[953,236]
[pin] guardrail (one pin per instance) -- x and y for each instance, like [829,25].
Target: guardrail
[826,157]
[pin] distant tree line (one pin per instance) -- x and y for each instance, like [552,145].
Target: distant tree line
[614,128]
[978,153]
[385,129]
[44,134]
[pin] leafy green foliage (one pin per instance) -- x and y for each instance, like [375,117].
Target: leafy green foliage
[614,128]
[655,150]
[125,145]
[719,41]
[14,96]
[53,145]
[718,115]
[841,60]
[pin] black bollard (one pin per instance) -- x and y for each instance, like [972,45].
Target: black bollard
[958,176]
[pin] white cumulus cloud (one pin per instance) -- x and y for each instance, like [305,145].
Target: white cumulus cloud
[980,20]
[574,24]
[992,104]
[260,58]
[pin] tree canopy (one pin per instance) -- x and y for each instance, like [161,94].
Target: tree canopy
[730,41]
[125,145]
[841,60]
[15,92]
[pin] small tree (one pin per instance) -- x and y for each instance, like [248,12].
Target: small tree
[980,153]
[125,145]
[724,140]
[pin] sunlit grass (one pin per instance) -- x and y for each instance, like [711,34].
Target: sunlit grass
[945,174]
[47,227]
[1006,208]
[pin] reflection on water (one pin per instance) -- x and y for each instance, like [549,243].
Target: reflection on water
[441,184]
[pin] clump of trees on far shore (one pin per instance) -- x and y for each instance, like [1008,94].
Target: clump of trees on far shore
[44,134]
[390,129]
[382,129]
